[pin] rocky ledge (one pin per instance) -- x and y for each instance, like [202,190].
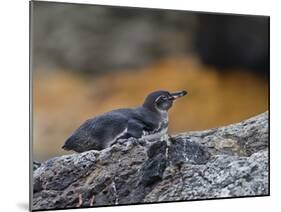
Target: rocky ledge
[228,161]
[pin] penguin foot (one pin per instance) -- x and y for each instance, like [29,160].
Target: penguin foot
[119,141]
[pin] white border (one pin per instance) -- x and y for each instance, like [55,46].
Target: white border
[15,90]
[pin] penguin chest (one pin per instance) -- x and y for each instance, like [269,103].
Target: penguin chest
[161,132]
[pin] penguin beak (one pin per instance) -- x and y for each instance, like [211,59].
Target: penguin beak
[176,95]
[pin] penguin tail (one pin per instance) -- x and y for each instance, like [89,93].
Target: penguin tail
[69,144]
[65,147]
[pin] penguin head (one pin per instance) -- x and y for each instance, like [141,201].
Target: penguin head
[162,100]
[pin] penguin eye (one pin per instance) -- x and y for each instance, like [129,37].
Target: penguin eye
[162,98]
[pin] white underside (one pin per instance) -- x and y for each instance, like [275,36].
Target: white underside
[159,135]
[119,135]
[162,135]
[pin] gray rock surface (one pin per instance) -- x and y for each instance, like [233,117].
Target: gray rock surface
[229,161]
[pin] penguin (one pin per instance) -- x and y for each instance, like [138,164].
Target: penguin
[148,122]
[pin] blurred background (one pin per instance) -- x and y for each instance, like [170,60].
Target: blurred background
[90,59]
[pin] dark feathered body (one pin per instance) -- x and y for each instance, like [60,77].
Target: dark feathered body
[149,121]
[117,124]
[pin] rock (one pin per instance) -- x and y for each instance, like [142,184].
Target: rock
[36,165]
[221,39]
[222,176]
[228,161]
[155,164]
[243,139]
[79,37]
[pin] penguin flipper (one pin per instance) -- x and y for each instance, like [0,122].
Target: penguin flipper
[135,129]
